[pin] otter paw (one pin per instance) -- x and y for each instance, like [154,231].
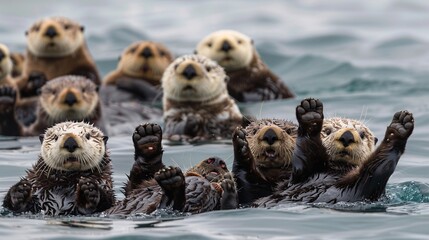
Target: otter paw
[401,127]
[7,100]
[310,116]
[20,195]
[228,183]
[170,178]
[147,139]
[229,194]
[239,141]
[88,195]
[36,80]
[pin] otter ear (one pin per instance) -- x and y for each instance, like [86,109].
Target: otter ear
[41,137]
[251,41]
[119,58]
[226,79]
[26,33]
[375,140]
[97,88]
[82,28]
[105,138]
[195,52]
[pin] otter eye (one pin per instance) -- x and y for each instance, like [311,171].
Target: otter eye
[88,136]
[162,53]
[55,137]
[209,44]
[239,42]
[208,69]
[175,66]
[67,26]
[36,28]
[328,131]
[210,161]
[222,164]
[362,135]
[133,50]
[288,131]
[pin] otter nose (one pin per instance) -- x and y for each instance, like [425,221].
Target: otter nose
[347,138]
[51,32]
[216,162]
[226,46]
[70,144]
[189,72]
[270,137]
[2,55]
[70,99]
[146,53]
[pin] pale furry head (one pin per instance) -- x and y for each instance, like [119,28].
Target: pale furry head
[5,62]
[231,49]
[73,146]
[194,78]
[272,142]
[54,37]
[347,140]
[69,98]
[145,59]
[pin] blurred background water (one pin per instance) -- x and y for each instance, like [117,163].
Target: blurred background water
[363,59]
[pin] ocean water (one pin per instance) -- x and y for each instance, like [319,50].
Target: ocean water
[363,59]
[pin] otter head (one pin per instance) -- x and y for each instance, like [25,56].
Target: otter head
[72,98]
[194,78]
[147,60]
[212,169]
[73,146]
[5,62]
[54,37]
[231,49]
[17,63]
[347,140]
[272,142]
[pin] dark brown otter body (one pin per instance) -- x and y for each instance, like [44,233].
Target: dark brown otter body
[72,175]
[316,177]
[205,187]
[67,98]
[262,157]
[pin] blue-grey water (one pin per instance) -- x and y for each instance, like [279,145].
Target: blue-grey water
[365,59]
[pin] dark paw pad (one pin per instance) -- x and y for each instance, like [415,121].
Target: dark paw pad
[402,125]
[88,193]
[7,99]
[20,194]
[310,115]
[147,139]
[240,141]
[170,178]
[36,80]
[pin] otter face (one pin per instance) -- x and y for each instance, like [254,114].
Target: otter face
[193,78]
[272,142]
[347,140]
[231,49]
[5,61]
[69,98]
[73,146]
[212,169]
[145,60]
[54,37]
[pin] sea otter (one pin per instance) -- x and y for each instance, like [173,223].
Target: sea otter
[262,157]
[249,78]
[331,162]
[6,67]
[66,98]
[72,176]
[151,185]
[55,47]
[196,102]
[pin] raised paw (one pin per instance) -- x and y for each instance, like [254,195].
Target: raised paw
[241,146]
[401,127]
[229,193]
[7,99]
[88,195]
[228,183]
[147,139]
[170,178]
[36,80]
[310,116]
[172,182]
[19,196]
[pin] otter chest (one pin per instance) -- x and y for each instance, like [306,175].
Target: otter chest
[57,200]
